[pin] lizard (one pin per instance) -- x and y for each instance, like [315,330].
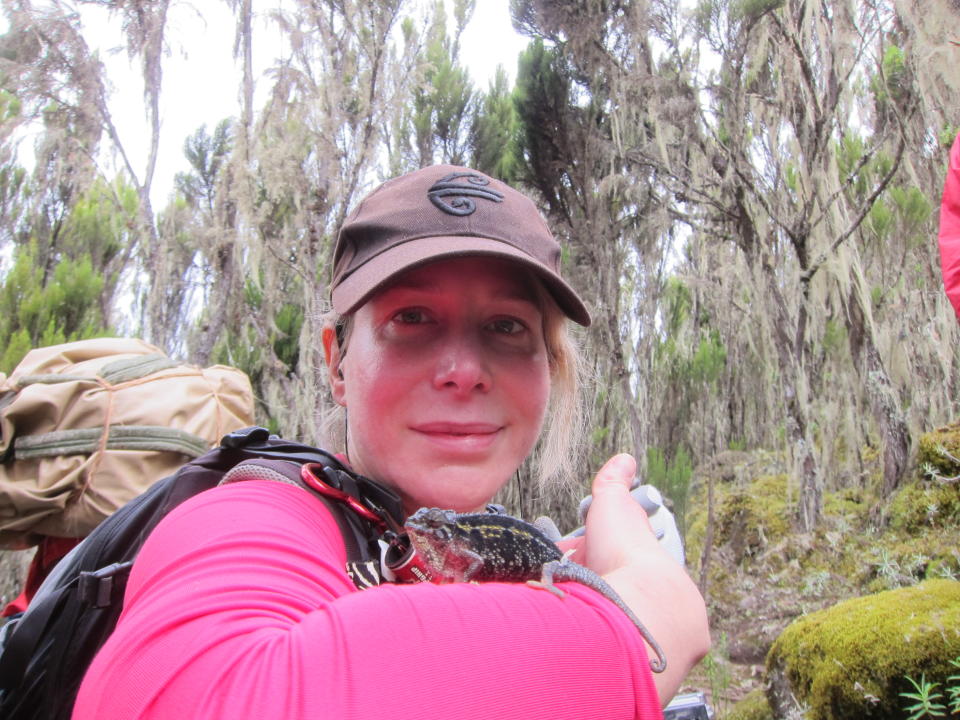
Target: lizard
[492,547]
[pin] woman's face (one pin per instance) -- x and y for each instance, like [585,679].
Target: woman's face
[446,381]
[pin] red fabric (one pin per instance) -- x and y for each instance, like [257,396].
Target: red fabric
[239,607]
[49,552]
[950,228]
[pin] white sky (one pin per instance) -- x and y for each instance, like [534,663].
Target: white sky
[201,79]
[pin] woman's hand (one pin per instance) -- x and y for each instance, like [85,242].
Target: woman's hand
[620,545]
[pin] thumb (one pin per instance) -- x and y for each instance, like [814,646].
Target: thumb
[616,525]
[615,476]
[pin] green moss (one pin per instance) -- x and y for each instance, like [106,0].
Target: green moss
[852,504]
[929,450]
[754,706]
[851,660]
[750,518]
[925,504]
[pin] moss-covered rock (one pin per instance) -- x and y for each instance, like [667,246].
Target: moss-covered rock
[751,517]
[925,504]
[852,660]
[754,706]
[940,449]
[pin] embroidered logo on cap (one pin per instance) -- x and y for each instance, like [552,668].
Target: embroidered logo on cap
[457,199]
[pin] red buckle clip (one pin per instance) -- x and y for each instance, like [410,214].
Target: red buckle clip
[309,474]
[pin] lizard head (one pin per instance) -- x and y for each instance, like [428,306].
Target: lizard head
[432,532]
[431,525]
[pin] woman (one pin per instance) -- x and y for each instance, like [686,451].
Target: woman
[446,345]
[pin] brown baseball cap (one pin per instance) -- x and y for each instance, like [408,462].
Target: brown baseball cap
[443,211]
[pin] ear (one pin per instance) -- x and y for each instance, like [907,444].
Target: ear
[331,353]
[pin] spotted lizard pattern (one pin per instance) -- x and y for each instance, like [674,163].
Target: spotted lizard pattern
[491,547]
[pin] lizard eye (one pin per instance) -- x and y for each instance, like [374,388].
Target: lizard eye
[443,533]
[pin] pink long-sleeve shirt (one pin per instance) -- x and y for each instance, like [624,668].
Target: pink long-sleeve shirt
[239,607]
[949,235]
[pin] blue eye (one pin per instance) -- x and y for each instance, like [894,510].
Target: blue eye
[507,326]
[410,317]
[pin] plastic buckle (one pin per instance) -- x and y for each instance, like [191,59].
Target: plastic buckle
[100,587]
[245,436]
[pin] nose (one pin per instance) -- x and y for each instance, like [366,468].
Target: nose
[462,365]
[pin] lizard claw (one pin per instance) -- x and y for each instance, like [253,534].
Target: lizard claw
[546,579]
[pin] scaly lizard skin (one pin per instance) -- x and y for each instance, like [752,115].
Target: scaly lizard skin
[484,547]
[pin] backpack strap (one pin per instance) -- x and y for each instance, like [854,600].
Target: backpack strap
[44,657]
[338,494]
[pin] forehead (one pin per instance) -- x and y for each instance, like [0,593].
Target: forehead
[496,276]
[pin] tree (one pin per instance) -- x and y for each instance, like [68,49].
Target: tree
[572,135]
[48,65]
[315,148]
[443,100]
[493,131]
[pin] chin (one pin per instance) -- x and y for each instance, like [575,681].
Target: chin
[460,491]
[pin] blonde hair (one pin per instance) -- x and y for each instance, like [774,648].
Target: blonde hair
[557,453]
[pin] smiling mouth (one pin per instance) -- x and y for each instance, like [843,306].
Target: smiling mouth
[458,430]
[447,438]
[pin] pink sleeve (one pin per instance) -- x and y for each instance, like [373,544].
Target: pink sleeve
[950,229]
[239,607]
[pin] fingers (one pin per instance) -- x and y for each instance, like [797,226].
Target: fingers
[621,545]
[616,526]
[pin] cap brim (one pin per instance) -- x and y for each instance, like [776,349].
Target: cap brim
[363,282]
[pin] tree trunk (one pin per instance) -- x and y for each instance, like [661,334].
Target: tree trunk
[884,403]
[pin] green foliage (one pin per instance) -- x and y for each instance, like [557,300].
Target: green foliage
[914,211]
[37,314]
[10,106]
[953,687]
[791,177]
[18,345]
[891,84]
[543,101]
[677,303]
[948,135]
[926,700]
[243,348]
[207,155]
[881,220]
[850,151]
[672,479]
[895,69]
[709,359]
[101,223]
[286,345]
[716,664]
[689,367]
[493,135]
[444,102]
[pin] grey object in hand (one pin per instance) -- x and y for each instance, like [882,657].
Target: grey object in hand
[661,519]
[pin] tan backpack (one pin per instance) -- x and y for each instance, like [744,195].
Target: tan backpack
[87,426]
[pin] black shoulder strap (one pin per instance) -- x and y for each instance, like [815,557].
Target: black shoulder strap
[43,659]
[359,524]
